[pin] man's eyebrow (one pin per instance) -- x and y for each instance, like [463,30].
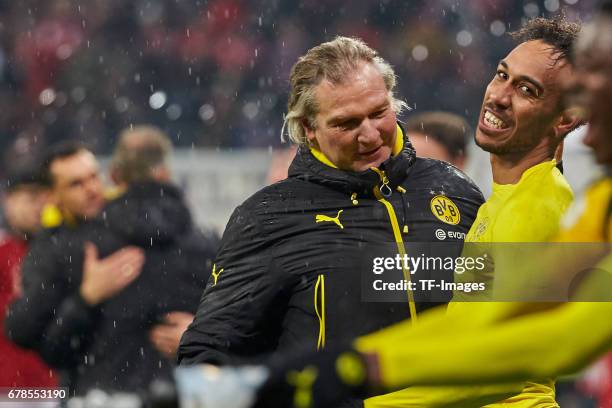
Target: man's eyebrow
[527,78]
[341,117]
[383,105]
[73,180]
[338,119]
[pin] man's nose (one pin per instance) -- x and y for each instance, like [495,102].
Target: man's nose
[93,185]
[500,95]
[369,133]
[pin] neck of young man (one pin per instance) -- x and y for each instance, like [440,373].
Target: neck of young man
[508,168]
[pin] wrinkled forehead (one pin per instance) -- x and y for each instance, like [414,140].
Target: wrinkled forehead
[364,85]
[541,62]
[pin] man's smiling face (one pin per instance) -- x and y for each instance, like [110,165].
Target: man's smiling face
[522,102]
[355,126]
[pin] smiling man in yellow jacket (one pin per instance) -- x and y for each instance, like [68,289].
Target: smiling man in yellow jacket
[521,124]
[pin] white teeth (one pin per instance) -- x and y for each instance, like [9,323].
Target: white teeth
[493,120]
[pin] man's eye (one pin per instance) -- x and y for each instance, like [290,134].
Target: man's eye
[502,75]
[527,90]
[379,114]
[348,124]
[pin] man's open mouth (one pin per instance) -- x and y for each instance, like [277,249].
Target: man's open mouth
[493,121]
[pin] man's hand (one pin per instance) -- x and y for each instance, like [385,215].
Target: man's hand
[302,378]
[104,278]
[166,336]
[308,378]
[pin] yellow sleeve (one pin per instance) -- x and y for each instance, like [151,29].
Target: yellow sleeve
[434,324]
[458,396]
[440,324]
[480,313]
[544,344]
[586,220]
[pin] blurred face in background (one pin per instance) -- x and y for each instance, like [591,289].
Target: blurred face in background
[522,102]
[23,207]
[77,187]
[426,146]
[592,87]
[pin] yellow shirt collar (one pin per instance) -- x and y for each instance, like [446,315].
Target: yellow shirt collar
[397,148]
[543,166]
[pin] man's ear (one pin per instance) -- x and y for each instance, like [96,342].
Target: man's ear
[309,131]
[162,174]
[114,175]
[570,119]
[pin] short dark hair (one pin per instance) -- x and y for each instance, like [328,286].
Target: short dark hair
[450,130]
[56,152]
[29,176]
[557,32]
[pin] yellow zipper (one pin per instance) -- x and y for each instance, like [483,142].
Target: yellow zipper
[320,312]
[382,198]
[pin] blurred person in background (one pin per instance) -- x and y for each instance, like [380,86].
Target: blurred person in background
[24,197]
[149,205]
[53,287]
[77,191]
[106,299]
[593,88]
[439,135]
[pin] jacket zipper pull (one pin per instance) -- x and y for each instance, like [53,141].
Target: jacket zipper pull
[384,188]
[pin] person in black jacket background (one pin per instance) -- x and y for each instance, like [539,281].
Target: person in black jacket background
[289,270]
[120,337]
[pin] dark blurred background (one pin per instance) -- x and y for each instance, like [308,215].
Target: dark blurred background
[215,73]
